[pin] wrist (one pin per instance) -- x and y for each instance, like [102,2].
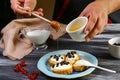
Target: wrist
[114,5]
[110,5]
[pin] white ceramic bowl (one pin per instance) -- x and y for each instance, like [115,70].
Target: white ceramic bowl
[77,35]
[114,49]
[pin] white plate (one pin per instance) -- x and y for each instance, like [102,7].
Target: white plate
[44,67]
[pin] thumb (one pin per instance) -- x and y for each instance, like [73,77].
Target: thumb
[30,4]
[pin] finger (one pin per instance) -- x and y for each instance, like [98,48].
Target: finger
[98,28]
[28,9]
[40,9]
[90,25]
[22,11]
[39,13]
[22,1]
[91,34]
[102,22]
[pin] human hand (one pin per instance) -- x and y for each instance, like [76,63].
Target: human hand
[23,7]
[39,11]
[97,13]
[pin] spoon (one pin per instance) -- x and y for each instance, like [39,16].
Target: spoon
[56,25]
[87,63]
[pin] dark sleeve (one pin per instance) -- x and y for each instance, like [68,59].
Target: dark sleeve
[6,13]
[115,17]
[73,10]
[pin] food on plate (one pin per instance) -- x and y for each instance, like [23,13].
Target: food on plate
[66,63]
[72,57]
[62,68]
[78,67]
[55,59]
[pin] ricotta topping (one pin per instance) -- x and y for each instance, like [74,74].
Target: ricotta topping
[57,58]
[82,62]
[71,55]
[61,66]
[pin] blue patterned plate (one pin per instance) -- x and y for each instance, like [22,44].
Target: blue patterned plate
[44,67]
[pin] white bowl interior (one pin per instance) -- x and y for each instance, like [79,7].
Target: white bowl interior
[114,40]
[80,21]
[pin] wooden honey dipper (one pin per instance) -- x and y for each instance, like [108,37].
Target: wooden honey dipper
[56,25]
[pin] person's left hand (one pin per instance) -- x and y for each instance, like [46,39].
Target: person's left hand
[97,13]
[23,7]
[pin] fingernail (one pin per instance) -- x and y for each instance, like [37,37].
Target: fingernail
[86,32]
[87,39]
[28,9]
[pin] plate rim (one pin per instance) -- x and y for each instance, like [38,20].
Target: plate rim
[60,75]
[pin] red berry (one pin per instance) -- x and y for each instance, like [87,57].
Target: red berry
[31,77]
[35,74]
[22,63]
[20,68]
[16,69]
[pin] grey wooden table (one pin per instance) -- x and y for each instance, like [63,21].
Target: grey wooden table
[97,47]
